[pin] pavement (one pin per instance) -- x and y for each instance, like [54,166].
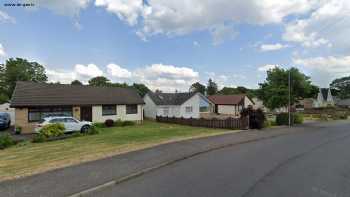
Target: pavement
[186,168]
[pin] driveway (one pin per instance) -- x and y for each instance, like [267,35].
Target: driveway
[223,165]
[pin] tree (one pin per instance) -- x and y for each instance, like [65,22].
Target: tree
[212,87]
[198,87]
[76,82]
[274,91]
[100,81]
[142,89]
[19,70]
[342,87]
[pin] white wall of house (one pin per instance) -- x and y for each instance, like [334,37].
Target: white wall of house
[150,107]
[247,102]
[121,114]
[229,109]
[5,107]
[194,103]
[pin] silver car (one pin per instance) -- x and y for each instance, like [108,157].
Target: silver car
[70,123]
[5,120]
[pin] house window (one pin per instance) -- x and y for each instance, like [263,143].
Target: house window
[108,110]
[166,111]
[38,113]
[189,109]
[131,109]
[204,109]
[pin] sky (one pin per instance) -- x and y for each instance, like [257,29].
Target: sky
[170,44]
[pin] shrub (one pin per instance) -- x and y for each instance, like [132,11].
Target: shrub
[128,123]
[118,123]
[298,118]
[324,117]
[6,141]
[18,130]
[99,125]
[52,130]
[256,117]
[93,130]
[38,138]
[282,119]
[109,123]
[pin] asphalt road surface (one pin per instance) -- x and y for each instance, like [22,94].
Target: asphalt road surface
[314,162]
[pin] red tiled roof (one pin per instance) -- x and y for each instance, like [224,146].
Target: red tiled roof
[227,99]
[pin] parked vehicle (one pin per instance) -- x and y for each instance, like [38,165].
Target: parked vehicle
[5,120]
[70,123]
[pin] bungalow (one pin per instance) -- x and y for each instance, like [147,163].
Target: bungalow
[230,104]
[187,105]
[34,101]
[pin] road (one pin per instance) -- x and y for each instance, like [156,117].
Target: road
[312,163]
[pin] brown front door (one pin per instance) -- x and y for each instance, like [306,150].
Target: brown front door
[86,113]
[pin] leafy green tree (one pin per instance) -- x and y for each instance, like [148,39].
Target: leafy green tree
[342,87]
[76,82]
[212,87]
[19,70]
[100,81]
[274,91]
[228,91]
[142,89]
[198,87]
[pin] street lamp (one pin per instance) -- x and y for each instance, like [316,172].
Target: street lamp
[289,99]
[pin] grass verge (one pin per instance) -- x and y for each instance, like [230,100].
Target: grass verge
[30,158]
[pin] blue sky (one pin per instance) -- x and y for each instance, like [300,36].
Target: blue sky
[170,44]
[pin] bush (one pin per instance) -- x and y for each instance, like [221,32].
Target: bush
[38,138]
[298,118]
[128,123]
[6,141]
[93,130]
[257,117]
[282,119]
[109,123]
[99,125]
[18,130]
[118,123]
[52,130]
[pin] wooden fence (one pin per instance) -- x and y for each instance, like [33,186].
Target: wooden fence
[229,123]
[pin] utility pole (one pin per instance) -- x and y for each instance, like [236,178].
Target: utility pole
[289,99]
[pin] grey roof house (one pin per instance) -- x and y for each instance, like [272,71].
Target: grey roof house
[34,101]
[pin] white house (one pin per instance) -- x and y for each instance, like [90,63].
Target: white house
[324,98]
[186,105]
[230,104]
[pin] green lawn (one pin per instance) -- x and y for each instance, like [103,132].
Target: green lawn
[28,158]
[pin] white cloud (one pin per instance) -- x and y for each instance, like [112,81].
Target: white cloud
[173,17]
[91,70]
[166,77]
[128,10]
[117,71]
[60,76]
[328,26]
[272,47]
[63,7]
[5,18]
[267,67]
[221,33]
[331,64]
[2,51]
[196,44]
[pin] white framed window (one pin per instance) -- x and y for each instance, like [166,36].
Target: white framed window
[189,109]
[166,111]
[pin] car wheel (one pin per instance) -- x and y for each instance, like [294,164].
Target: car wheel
[85,128]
